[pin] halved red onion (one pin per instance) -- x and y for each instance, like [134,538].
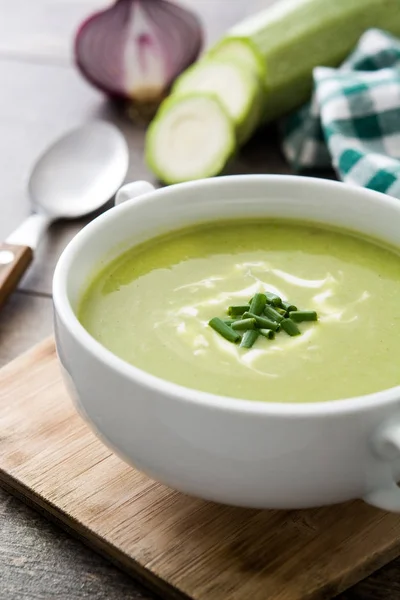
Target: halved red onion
[136,48]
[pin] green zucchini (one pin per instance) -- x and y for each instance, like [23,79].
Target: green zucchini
[260,70]
[286,41]
[237,88]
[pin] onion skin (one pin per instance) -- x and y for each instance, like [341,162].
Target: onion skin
[80,62]
[135,49]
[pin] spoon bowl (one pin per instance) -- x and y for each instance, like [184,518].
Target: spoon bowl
[80,172]
[77,174]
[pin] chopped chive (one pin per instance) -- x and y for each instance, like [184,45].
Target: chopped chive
[265,314]
[257,304]
[303,315]
[223,329]
[249,338]
[290,327]
[244,324]
[288,307]
[238,310]
[263,322]
[273,299]
[268,333]
[273,314]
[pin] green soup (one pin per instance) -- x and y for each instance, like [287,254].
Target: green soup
[151,307]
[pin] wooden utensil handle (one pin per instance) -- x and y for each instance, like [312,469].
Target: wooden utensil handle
[14,261]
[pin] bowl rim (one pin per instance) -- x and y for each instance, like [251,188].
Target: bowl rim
[181,393]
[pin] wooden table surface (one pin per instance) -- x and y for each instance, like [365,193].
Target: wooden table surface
[42,96]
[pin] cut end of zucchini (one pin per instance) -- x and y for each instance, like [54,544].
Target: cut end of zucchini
[240,50]
[224,79]
[192,137]
[237,88]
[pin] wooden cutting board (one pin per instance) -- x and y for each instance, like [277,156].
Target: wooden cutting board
[179,546]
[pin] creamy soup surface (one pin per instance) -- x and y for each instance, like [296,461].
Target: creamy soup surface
[151,307]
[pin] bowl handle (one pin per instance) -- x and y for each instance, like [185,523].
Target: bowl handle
[133,190]
[386,447]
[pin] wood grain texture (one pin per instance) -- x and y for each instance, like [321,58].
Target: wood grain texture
[39,561]
[24,321]
[14,260]
[183,547]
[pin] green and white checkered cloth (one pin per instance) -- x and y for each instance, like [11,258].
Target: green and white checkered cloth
[353,120]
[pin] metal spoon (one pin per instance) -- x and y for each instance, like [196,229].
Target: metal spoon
[78,174]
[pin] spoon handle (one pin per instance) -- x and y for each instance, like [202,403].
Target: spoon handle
[14,261]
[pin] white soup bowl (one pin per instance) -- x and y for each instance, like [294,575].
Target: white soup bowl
[239,452]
